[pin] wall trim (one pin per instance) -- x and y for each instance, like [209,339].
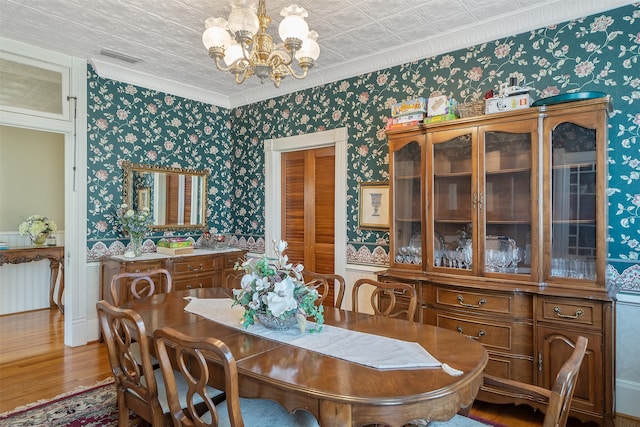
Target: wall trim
[627,398]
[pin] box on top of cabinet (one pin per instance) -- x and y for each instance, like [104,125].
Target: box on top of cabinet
[441,106]
[409,106]
[516,102]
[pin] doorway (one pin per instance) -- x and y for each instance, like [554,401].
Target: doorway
[308,195]
[274,149]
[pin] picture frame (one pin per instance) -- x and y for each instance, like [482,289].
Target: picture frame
[144,198]
[373,205]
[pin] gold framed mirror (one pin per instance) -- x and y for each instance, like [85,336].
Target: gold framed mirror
[176,197]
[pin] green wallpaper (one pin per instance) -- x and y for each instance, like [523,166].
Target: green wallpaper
[595,53]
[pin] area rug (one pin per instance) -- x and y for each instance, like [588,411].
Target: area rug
[92,406]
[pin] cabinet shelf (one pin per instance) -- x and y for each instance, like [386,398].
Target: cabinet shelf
[408,177]
[508,171]
[452,174]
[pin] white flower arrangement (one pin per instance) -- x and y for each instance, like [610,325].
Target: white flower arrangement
[276,288]
[36,225]
[133,222]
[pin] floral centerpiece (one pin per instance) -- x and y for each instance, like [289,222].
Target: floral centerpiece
[38,228]
[135,224]
[273,287]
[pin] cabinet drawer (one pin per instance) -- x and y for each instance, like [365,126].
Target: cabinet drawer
[195,282]
[516,305]
[568,311]
[515,338]
[513,368]
[141,266]
[230,260]
[190,265]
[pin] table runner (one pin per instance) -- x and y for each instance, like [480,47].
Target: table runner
[354,346]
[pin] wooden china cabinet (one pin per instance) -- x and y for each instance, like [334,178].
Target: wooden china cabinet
[499,221]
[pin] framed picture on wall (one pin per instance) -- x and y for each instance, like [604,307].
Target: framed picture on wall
[373,205]
[144,198]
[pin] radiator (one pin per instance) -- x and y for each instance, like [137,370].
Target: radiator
[25,286]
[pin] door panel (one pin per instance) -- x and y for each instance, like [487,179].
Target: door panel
[308,218]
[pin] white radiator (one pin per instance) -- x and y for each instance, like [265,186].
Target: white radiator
[25,286]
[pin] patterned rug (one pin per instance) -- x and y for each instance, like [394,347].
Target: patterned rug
[92,406]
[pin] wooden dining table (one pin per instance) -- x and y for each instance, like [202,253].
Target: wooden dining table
[337,392]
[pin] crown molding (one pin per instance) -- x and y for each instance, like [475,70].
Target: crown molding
[116,72]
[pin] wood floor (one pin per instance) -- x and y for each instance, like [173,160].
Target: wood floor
[35,364]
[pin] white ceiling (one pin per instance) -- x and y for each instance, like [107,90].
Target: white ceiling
[356,36]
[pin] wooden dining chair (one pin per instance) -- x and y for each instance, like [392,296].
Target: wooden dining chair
[396,300]
[139,387]
[328,285]
[196,359]
[141,284]
[557,400]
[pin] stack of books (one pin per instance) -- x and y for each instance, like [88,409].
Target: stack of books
[174,246]
[4,245]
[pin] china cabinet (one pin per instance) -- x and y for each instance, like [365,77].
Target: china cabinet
[499,222]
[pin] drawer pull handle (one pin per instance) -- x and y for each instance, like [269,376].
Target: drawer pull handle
[190,267]
[579,312]
[481,333]
[481,302]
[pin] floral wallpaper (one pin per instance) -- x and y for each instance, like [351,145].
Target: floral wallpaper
[145,126]
[596,53]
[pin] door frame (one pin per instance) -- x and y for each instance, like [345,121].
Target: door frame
[273,149]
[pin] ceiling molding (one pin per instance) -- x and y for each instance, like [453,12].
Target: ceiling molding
[116,72]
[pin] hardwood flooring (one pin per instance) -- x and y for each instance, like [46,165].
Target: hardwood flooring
[35,364]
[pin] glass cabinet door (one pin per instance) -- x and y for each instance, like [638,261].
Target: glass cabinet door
[406,170]
[505,203]
[452,202]
[573,202]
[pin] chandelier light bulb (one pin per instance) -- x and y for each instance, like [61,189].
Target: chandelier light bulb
[293,26]
[216,34]
[243,19]
[310,47]
[233,53]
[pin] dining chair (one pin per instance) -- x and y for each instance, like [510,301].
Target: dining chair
[558,399]
[325,283]
[141,285]
[139,387]
[387,298]
[197,359]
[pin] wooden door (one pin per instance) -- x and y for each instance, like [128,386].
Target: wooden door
[308,214]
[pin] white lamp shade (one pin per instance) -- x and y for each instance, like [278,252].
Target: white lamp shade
[233,53]
[216,34]
[293,26]
[309,49]
[243,19]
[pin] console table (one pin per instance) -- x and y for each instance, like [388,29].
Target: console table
[55,255]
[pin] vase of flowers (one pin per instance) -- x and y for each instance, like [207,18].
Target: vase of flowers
[274,291]
[135,224]
[38,228]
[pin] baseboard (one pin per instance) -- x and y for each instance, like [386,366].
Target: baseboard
[627,398]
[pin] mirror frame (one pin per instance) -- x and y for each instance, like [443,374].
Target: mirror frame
[129,168]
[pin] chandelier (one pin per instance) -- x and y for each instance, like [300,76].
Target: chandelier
[243,47]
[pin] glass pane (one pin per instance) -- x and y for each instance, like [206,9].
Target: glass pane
[573,237]
[27,87]
[452,202]
[507,202]
[407,192]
